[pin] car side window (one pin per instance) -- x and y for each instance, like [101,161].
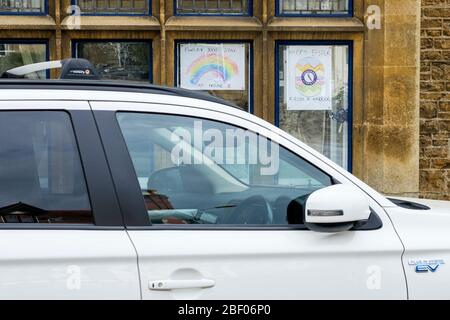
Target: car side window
[204,172]
[41,177]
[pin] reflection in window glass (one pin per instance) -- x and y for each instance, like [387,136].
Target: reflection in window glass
[212,7]
[196,171]
[15,54]
[40,167]
[117,60]
[314,101]
[314,7]
[221,69]
[23,6]
[114,6]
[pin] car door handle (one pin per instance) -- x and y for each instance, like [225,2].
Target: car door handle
[161,285]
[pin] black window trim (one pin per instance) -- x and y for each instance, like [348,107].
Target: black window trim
[373,224]
[130,195]
[102,198]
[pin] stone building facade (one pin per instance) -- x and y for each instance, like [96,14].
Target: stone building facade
[435,100]
[377,107]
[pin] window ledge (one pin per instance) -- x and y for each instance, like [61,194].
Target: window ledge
[316,24]
[27,23]
[111,23]
[230,23]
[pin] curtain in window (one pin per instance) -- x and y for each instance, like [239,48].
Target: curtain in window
[314,6]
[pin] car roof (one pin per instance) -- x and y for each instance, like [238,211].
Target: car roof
[112,91]
[99,90]
[109,86]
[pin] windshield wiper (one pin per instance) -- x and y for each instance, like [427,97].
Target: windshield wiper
[20,208]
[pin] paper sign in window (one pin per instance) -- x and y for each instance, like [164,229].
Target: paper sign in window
[212,66]
[309,77]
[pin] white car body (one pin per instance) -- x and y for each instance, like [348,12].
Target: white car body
[223,264]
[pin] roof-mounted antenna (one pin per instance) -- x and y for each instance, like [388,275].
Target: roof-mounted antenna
[76,69]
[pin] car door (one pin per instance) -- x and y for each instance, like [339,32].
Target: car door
[61,230]
[209,221]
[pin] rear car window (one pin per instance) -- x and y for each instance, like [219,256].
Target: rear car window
[41,176]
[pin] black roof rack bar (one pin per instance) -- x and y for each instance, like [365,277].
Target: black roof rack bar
[100,85]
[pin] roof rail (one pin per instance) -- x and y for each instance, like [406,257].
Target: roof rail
[70,69]
[100,85]
[79,74]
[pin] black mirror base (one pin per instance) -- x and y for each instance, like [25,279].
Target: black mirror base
[332,227]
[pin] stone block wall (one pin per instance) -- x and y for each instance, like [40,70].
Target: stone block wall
[435,100]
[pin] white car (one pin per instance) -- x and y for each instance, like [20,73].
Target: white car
[116,191]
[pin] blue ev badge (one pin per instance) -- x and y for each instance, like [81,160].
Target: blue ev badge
[426,266]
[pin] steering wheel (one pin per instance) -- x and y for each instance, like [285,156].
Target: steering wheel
[253,210]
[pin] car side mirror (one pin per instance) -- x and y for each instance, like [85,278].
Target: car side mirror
[336,208]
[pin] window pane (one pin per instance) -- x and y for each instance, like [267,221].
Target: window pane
[40,167]
[194,171]
[314,7]
[23,6]
[316,111]
[118,60]
[18,54]
[212,6]
[114,6]
[221,69]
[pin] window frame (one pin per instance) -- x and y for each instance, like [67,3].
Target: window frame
[148,13]
[31,41]
[250,69]
[350,45]
[350,13]
[105,208]
[45,12]
[249,12]
[74,43]
[3,47]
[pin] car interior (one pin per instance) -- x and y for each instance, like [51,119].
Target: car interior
[41,179]
[206,192]
[186,187]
